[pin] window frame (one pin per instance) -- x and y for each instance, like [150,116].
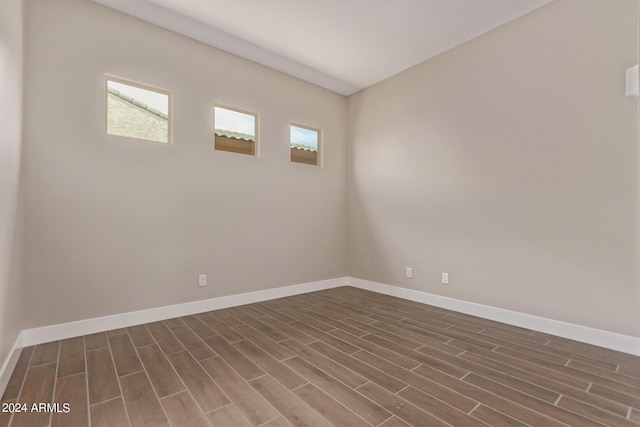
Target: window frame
[144,86]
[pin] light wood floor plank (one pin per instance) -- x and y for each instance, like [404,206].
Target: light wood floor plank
[242,395]
[494,418]
[165,339]
[140,335]
[267,344]
[45,353]
[228,318]
[399,407]
[438,391]
[215,323]
[434,407]
[103,383]
[163,378]
[326,338]
[273,367]
[333,368]
[37,388]
[124,354]
[362,406]
[71,357]
[95,341]
[228,416]
[367,371]
[142,405]
[292,332]
[394,422]
[198,349]
[528,401]
[206,393]
[329,408]
[604,417]
[183,411]
[199,328]
[245,367]
[385,353]
[289,405]
[72,390]
[109,414]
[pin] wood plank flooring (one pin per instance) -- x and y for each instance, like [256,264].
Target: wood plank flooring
[342,357]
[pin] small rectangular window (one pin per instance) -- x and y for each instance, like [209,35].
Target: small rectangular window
[235,130]
[137,111]
[305,144]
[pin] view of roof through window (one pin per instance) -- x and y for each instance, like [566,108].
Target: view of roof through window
[136,112]
[304,144]
[303,138]
[235,124]
[156,100]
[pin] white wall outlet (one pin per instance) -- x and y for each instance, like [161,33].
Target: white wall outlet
[202,280]
[445,278]
[409,273]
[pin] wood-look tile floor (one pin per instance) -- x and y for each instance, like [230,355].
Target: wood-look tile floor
[343,357]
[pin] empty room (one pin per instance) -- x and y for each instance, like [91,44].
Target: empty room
[319,213]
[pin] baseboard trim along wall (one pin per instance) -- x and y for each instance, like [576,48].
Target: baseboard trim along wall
[611,340]
[90,326]
[585,334]
[44,334]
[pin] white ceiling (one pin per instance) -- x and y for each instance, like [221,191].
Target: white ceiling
[341,45]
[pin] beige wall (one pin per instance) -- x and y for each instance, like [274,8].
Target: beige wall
[10,154]
[510,162]
[115,225]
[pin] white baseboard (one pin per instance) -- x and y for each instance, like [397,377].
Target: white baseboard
[10,363]
[611,340]
[585,334]
[90,326]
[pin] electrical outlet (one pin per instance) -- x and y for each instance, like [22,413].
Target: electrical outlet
[202,280]
[409,273]
[445,278]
